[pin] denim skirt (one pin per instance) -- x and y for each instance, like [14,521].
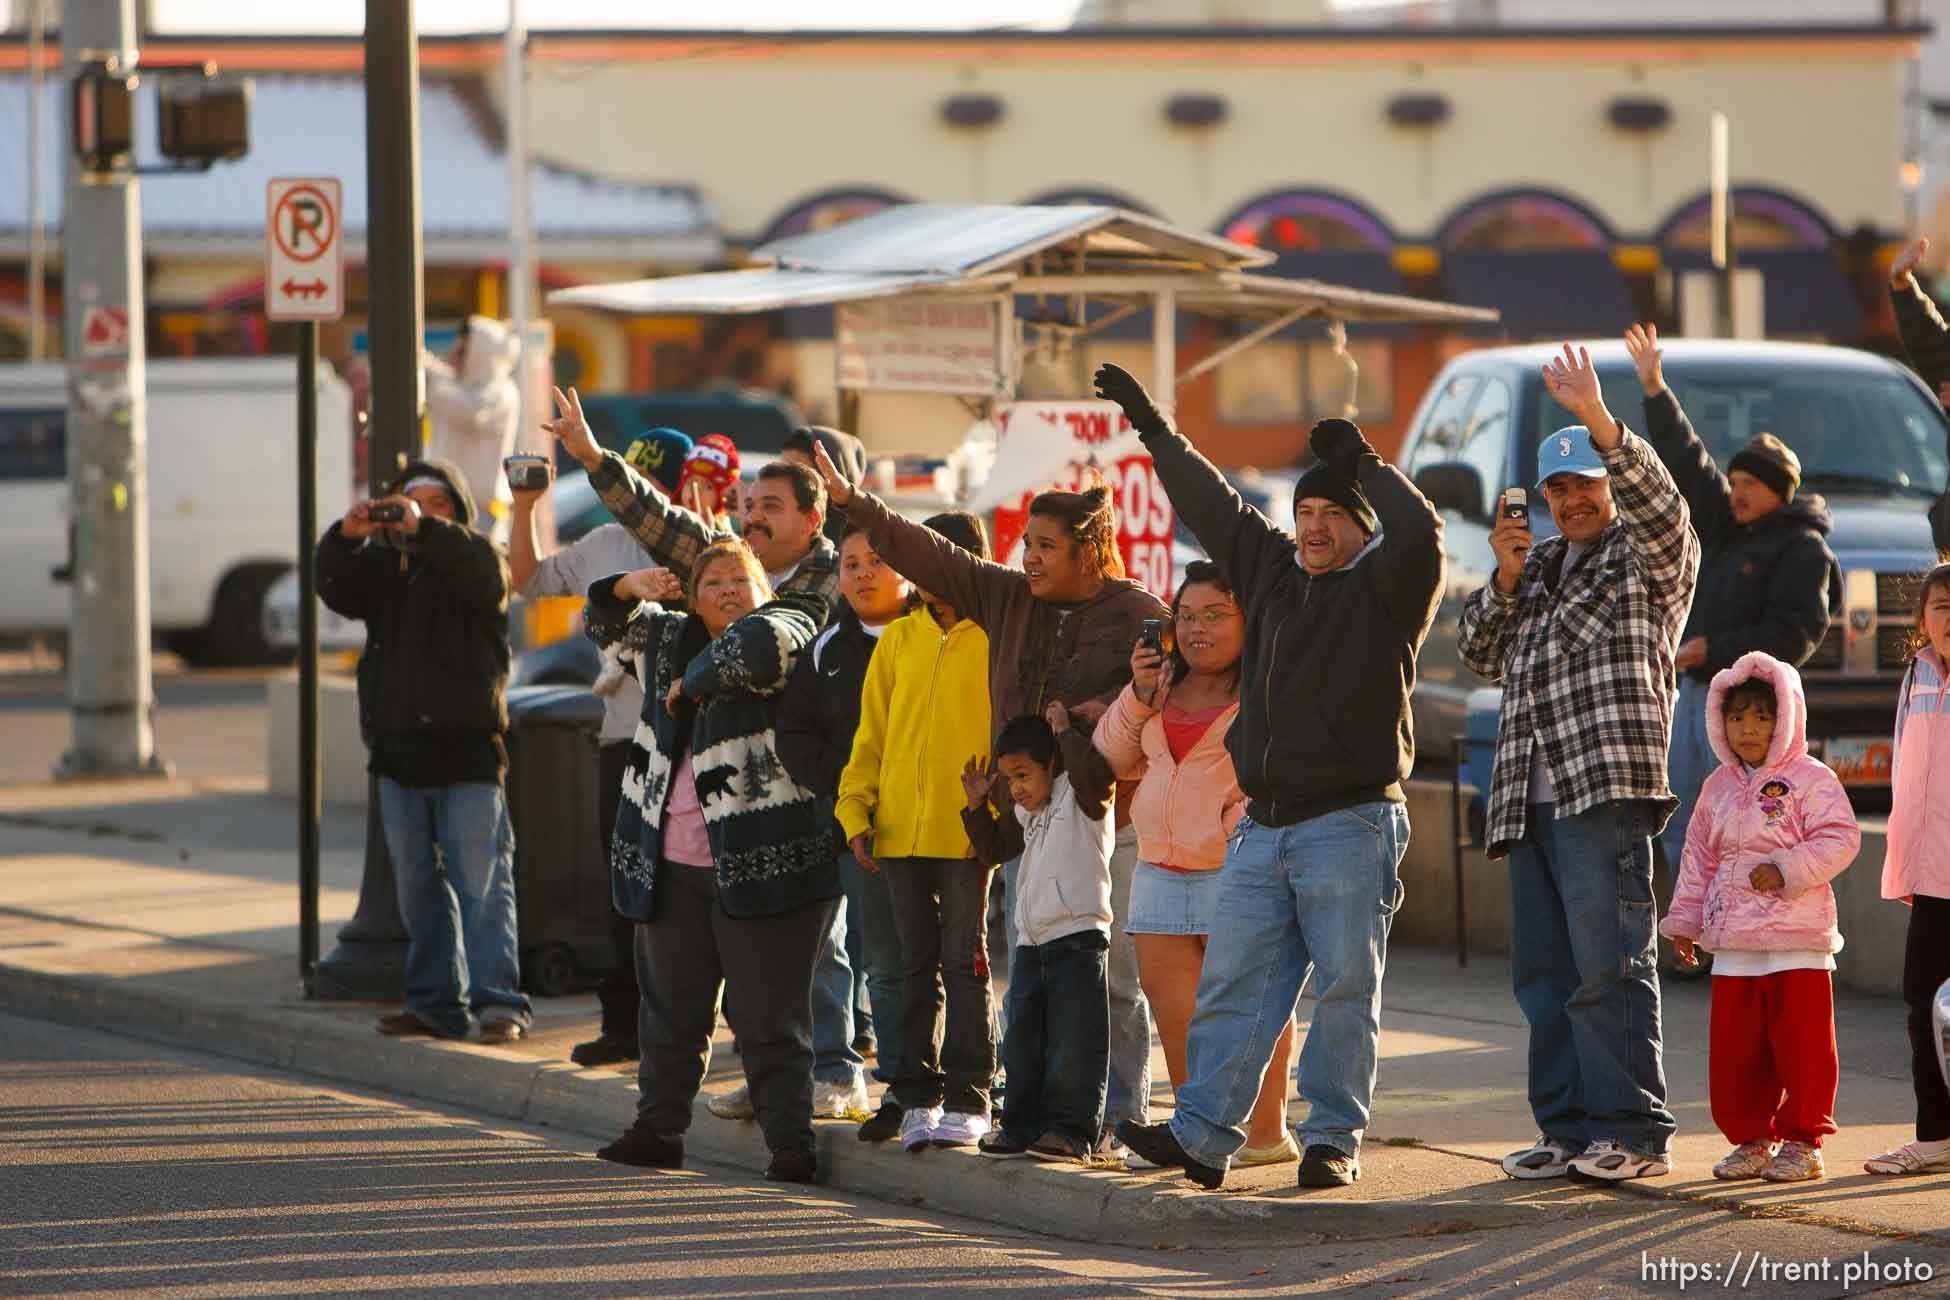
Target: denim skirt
[1172,902]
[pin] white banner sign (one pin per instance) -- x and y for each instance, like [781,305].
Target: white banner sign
[926,345]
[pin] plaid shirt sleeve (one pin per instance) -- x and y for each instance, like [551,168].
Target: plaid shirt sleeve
[1489,625]
[674,536]
[1658,525]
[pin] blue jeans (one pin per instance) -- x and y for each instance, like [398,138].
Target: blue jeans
[1314,897]
[1584,964]
[1058,1048]
[453,857]
[1130,1015]
[834,1060]
[853,886]
[874,948]
[1689,762]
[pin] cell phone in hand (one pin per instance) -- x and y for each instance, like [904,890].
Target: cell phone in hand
[387,512]
[1515,505]
[527,473]
[1151,633]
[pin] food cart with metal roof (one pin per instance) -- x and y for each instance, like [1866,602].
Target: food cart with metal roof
[1034,278]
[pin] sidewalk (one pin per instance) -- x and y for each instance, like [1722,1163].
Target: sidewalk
[168,910]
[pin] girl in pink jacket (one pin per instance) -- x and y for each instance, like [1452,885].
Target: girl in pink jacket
[1772,827]
[1916,869]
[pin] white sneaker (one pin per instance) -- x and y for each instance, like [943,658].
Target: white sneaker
[918,1127]
[1544,1158]
[736,1104]
[958,1128]
[1910,1158]
[1605,1161]
[841,1100]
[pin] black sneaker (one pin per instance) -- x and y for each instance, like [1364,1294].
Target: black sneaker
[1059,1146]
[605,1049]
[885,1125]
[1000,1146]
[1326,1166]
[1157,1143]
[793,1165]
[645,1150]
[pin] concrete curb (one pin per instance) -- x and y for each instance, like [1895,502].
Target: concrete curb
[1059,1200]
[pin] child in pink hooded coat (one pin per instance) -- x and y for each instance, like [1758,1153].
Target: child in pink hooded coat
[1916,869]
[1772,827]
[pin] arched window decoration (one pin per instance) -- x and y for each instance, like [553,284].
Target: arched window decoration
[1541,259]
[829,209]
[1793,246]
[1523,221]
[1762,219]
[1088,196]
[1307,221]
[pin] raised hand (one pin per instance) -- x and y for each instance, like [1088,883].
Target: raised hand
[356,525]
[1900,276]
[1573,381]
[838,490]
[976,782]
[656,583]
[700,498]
[1057,716]
[572,430]
[1148,672]
[1116,384]
[1642,342]
[1510,539]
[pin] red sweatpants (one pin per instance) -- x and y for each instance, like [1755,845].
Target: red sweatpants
[1773,1067]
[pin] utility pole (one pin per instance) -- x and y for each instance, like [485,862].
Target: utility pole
[369,961]
[36,243]
[1725,247]
[111,698]
[521,247]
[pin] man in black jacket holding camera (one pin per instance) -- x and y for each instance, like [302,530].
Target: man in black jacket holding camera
[434,598]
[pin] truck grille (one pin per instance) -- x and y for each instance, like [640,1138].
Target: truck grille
[1896,593]
[1893,646]
[1827,657]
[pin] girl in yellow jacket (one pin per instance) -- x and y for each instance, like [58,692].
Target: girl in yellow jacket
[924,709]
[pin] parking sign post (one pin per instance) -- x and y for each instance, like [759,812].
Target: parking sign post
[304,281]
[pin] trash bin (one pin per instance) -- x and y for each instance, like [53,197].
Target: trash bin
[562,902]
[1479,752]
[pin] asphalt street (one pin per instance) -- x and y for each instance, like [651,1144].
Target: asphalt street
[134,1169]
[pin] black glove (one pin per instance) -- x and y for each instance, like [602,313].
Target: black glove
[1339,445]
[1116,384]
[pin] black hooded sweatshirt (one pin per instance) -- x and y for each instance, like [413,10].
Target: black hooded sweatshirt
[1769,585]
[434,675]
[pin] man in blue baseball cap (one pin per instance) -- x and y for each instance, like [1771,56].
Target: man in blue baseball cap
[1581,631]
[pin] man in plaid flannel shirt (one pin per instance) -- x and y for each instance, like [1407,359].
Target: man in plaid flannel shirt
[1581,631]
[783,512]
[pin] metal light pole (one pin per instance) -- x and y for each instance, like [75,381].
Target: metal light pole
[369,961]
[36,243]
[521,249]
[110,696]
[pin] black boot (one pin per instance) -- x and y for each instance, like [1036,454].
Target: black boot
[645,1149]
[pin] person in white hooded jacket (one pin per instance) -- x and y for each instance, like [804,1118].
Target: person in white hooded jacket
[475,405]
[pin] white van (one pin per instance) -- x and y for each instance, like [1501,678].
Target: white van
[223,496]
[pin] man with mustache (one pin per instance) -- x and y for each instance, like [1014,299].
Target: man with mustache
[1582,631]
[783,513]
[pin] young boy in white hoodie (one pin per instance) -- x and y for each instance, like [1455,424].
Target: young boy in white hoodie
[1057,1046]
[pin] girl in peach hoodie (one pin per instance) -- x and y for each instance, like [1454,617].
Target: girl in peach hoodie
[1916,869]
[1167,731]
[1772,827]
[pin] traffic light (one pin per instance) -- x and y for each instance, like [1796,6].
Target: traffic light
[203,118]
[104,117]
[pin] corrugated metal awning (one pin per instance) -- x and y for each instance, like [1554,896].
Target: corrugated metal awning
[741,292]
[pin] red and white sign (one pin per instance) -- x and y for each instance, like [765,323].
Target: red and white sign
[304,249]
[105,332]
[1144,518]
